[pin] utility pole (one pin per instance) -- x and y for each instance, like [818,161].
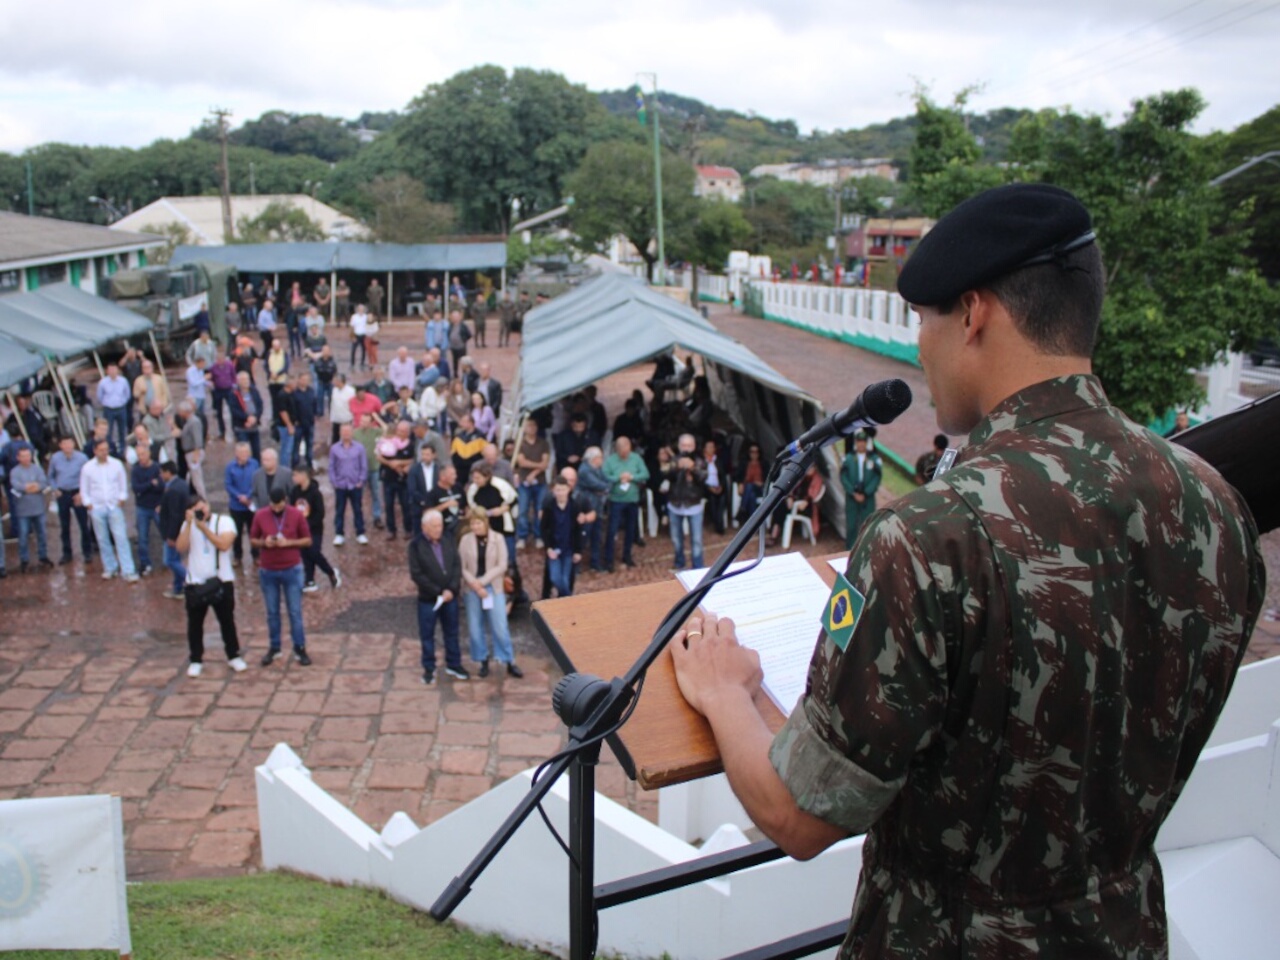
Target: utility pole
[31,193]
[224,174]
[657,178]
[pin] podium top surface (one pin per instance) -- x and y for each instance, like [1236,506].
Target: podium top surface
[666,741]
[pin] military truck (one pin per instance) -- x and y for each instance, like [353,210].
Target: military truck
[172,297]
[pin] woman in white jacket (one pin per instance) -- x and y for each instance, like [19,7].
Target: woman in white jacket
[484,564]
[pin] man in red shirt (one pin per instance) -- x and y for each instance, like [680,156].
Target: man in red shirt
[280,532]
[364,405]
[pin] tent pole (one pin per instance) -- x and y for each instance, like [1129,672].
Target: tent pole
[444,298]
[13,405]
[390,297]
[73,411]
[275,286]
[156,350]
[64,394]
[98,360]
[333,299]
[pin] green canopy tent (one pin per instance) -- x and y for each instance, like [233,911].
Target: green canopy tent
[613,322]
[17,362]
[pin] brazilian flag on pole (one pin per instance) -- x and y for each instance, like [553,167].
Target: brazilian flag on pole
[844,607]
[641,114]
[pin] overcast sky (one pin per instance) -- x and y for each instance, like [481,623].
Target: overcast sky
[130,72]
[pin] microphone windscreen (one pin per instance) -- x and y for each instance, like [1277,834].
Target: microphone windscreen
[883,402]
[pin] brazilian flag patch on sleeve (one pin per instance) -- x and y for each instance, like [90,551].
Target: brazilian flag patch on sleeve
[844,606]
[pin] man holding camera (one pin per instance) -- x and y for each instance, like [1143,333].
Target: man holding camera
[205,541]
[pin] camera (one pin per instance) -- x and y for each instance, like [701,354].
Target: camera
[200,514]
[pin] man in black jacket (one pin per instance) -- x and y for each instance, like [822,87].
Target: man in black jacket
[173,513]
[423,477]
[437,572]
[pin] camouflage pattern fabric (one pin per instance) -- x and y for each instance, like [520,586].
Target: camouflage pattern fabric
[1049,634]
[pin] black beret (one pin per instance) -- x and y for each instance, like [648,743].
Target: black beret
[992,234]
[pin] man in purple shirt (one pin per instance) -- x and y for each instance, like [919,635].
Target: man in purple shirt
[223,375]
[348,471]
[114,396]
[402,371]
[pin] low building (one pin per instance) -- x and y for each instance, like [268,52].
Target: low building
[724,183]
[39,251]
[202,216]
[886,238]
[828,173]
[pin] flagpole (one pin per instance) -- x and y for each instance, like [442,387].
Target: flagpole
[657,180]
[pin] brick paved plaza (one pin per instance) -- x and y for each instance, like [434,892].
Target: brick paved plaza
[94,696]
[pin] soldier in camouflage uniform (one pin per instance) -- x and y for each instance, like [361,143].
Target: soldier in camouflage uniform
[479,317]
[1045,638]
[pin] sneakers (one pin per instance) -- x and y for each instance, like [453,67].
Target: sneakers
[300,655]
[339,540]
[336,580]
[539,544]
[145,572]
[484,668]
[108,575]
[514,671]
[194,669]
[458,673]
[168,594]
[237,664]
[362,539]
[134,578]
[269,657]
[311,587]
[519,544]
[429,677]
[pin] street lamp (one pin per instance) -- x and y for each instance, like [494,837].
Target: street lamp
[1268,157]
[112,211]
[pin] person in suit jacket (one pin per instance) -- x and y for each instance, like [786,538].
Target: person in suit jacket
[436,571]
[424,476]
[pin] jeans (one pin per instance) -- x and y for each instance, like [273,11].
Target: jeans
[28,526]
[624,517]
[225,611]
[173,560]
[117,420]
[147,520]
[394,493]
[289,581]
[448,617]
[221,398]
[65,509]
[304,441]
[286,448]
[530,499]
[342,497]
[254,439]
[496,620]
[109,526]
[358,343]
[324,397]
[560,573]
[695,535]
[375,494]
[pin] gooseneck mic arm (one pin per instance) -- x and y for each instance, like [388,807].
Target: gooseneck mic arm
[877,405]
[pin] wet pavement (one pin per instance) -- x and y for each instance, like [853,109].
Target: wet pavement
[94,697]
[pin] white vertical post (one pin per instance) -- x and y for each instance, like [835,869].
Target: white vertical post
[333,296]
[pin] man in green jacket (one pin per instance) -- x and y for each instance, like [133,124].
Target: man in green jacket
[860,477]
[626,473]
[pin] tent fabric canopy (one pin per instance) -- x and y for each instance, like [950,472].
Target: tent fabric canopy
[364,257]
[613,322]
[63,322]
[17,362]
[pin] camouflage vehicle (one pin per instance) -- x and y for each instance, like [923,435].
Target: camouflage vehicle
[172,297]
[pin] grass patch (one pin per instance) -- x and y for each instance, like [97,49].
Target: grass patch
[284,917]
[895,480]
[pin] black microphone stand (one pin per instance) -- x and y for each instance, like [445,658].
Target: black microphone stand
[591,708]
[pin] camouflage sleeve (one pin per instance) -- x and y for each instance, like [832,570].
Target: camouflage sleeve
[845,751]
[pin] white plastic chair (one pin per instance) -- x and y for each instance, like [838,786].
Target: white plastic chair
[799,515]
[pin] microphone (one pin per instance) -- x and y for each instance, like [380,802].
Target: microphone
[879,404]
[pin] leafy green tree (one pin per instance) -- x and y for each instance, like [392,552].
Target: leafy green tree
[482,138]
[1259,186]
[716,227]
[789,221]
[945,157]
[613,193]
[401,212]
[1181,287]
[278,222]
[175,235]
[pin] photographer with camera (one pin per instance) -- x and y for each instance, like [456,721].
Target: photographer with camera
[205,541]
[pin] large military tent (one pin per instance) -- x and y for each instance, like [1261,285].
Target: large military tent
[613,321]
[17,362]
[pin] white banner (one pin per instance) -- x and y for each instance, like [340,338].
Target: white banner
[188,307]
[62,883]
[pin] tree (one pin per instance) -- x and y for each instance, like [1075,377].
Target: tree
[403,214]
[613,194]
[716,228]
[945,156]
[482,138]
[1181,287]
[789,221]
[175,235]
[1259,186]
[278,222]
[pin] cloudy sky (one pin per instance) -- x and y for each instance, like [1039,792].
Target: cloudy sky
[137,70]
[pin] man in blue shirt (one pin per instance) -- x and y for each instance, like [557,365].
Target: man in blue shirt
[115,396]
[148,490]
[238,479]
[27,484]
[64,478]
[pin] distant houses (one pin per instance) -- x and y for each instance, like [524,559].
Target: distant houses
[828,173]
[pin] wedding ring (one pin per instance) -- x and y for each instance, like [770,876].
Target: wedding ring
[693,633]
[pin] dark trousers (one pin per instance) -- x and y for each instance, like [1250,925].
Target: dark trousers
[448,617]
[117,427]
[358,344]
[393,493]
[254,439]
[313,557]
[716,504]
[65,509]
[221,398]
[622,516]
[304,438]
[243,519]
[341,498]
[225,611]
